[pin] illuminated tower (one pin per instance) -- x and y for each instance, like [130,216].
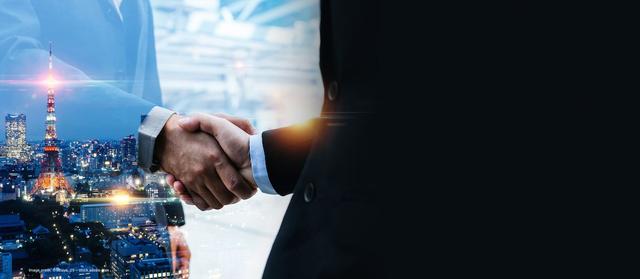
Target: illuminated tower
[51,181]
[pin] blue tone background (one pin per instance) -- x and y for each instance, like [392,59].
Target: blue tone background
[256,59]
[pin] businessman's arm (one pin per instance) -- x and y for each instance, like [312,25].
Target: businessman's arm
[285,152]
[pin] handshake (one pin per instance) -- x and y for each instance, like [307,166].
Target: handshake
[207,159]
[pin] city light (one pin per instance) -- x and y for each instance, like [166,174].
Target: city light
[253,60]
[121,198]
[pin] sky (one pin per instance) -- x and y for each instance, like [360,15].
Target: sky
[81,113]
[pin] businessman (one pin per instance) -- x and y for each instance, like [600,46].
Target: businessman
[105,48]
[330,228]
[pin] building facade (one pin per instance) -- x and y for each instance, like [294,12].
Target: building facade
[16,137]
[5,266]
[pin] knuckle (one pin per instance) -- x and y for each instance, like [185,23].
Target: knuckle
[227,199]
[234,184]
[199,170]
[216,159]
[188,181]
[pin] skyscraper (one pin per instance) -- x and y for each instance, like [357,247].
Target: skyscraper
[51,180]
[5,266]
[16,136]
[128,151]
[128,251]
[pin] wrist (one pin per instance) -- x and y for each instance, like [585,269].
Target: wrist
[163,138]
[152,124]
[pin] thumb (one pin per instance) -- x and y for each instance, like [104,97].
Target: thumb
[228,135]
[190,124]
[242,123]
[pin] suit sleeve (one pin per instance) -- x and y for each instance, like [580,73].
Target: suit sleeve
[286,151]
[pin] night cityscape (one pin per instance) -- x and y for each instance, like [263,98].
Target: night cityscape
[81,208]
[258,60]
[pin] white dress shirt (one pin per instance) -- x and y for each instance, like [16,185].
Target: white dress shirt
[116,4]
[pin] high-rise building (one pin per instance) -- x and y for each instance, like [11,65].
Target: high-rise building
[128,151]
[16,137]
[6,271]
[51,181]
[128,251]
[154,268]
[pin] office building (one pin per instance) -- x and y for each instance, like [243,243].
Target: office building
[6,271]
[16,137]
[128,251]
[153,268]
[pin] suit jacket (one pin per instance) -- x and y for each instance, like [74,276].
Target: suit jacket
[330,229]
[90,43]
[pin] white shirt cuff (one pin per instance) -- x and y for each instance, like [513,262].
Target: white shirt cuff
[259,164]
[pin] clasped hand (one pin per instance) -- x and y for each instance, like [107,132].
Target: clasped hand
[207,159]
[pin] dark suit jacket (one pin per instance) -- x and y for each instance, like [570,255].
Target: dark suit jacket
[330,229]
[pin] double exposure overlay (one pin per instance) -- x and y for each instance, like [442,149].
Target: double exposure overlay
[77,79]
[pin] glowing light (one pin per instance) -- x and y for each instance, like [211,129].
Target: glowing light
[239,65]
[121,198]
[51,81]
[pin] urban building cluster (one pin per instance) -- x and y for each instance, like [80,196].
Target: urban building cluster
[81,208]
[112,226]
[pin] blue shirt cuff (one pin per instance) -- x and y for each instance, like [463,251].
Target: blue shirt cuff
[259,164]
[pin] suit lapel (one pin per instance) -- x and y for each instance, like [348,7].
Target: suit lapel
[110,11]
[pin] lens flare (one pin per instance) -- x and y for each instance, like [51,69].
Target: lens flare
[120,198]
[51,81]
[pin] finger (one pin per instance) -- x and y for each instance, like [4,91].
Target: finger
[199,202]
[174,250]
[211,198]
[184,196]
[240,122]
[170,179]
[199,195]
[189,124]
[187,199]
[185,257]
[227,134]
[218,189]
[228,174]
[182,193]
[179,188]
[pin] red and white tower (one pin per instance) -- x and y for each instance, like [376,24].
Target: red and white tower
[51,180]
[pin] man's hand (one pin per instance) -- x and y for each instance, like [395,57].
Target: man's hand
[180,253]
[197,160]
[232,134]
